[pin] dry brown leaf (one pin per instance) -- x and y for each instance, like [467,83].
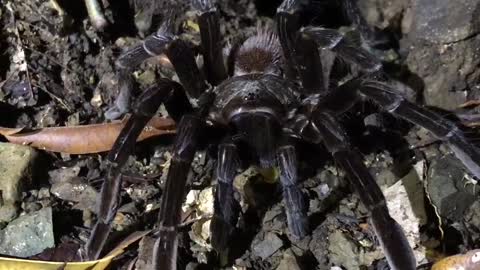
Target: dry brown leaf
[83,139]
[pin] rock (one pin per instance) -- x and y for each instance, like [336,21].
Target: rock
[142,192]
[145,251]
[447,71]
[200,234]
[339,242]
[445,21]
[266,248]
[8,212]
[63,174]
[383,13]
[442,50]
[289,262]
[123,221]
[15,169]
[405,201]
[205,201]
[28,235]
[343,251]
[76,191]
[446,187]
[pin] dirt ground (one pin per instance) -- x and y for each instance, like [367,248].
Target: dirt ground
[56,69]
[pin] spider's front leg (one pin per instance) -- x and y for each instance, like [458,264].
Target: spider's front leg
[390,234]
[189,132]
[226,208]
[173,96]
[300,51]
[300,45]
[184,148]
[161,42]
[295,205]
[208,22]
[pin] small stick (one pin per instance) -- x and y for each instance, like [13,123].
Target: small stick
[95,14]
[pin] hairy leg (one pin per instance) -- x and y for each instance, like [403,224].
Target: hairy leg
[392,239]
[389,99]
[296,207]
[108,203]
[300,51]
[226,208]
[163,41]
[208,22]
[184,148]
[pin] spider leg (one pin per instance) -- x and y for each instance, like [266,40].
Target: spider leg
[300,51]
[145,108]
[226,208]
[208,21]
[162,41]
[185,145]
[184,148]
[343,46]
[443,129]
[294,199]
[353,13]
[390,234]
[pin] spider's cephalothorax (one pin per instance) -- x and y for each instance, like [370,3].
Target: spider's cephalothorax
[255,101]
[277,91]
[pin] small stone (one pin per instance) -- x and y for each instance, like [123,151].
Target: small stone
[343,251]
[447,187]
[43,193]
[147,77]
[15,168]
[145,250]
[142,192]
[30,207]
[76,191]
[405,201]
[266,248]
[123,221]
[190,200]
[289,262]
[205,201]
[8,212]
[200,234]
[63,174]
[445,21]
[28,235]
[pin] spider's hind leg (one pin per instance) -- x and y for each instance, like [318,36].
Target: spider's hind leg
[345,48]
[392,239]
[443,129]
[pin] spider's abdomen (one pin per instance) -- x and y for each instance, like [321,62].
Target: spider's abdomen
[253,93]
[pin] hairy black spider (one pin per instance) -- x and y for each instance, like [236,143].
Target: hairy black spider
[276,92]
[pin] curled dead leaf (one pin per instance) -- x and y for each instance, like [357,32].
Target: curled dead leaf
[83,139]
[101,264]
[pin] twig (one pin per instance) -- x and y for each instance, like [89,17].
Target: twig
[58,99]
[95,14]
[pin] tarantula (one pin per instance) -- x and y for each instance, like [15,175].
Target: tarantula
[276,92]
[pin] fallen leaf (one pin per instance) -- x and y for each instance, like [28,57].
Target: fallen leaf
[24,264]
[83,139]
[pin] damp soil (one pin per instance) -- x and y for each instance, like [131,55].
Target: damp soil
[57,70]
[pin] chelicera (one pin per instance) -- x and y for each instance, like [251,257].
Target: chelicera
[276,92]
